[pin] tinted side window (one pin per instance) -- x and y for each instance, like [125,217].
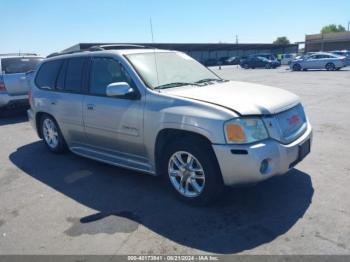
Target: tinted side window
[61,78]
[74,75]
[105,71]
[47,75]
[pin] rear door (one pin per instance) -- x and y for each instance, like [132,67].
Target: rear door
[14,71]
[260,62]
[62,92]
[322,60]
[68,103]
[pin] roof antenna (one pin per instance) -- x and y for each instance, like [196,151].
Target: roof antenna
[154,51]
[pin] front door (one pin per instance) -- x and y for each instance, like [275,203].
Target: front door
[113,124]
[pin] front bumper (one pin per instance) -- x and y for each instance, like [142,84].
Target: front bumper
[7,100]
[244,166]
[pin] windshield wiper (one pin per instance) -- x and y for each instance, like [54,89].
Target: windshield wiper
[175,84]
[206,80]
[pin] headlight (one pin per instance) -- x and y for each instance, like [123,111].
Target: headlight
[245,130]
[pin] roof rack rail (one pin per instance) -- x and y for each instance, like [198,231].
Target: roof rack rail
[116,47]
[101,48]
[65,53]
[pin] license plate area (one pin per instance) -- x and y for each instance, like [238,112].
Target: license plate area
[303,150]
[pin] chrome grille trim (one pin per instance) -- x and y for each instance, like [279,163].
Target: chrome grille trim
[278,128]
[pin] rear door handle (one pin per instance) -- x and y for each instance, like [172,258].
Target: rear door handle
[90,107]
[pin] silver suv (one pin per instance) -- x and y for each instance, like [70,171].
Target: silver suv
[163,113]
[14,74]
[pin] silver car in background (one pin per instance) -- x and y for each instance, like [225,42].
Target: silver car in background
[321,60]
[163,113]
[15,71]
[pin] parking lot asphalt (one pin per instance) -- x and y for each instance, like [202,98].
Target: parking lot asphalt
[65,204]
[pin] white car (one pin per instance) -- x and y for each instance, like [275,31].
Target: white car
[321,60]
[287,58]
[14,86]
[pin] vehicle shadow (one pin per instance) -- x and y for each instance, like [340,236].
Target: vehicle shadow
[9,117]
[244,219]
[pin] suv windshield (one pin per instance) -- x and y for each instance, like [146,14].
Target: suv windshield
[174,69]
[15,65]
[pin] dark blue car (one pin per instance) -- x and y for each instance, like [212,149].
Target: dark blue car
[259,61]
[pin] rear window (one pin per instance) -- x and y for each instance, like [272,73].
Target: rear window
[16,65]
[47,75]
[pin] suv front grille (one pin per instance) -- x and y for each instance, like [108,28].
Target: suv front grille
[287,125]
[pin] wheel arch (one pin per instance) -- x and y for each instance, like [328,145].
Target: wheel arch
[167,135]
[38,117]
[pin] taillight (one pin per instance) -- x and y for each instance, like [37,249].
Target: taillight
[2,85]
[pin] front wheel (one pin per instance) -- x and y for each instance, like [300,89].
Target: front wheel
[192,171]
[52,135]
[296,67]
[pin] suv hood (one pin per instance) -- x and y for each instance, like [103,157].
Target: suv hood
[241,97]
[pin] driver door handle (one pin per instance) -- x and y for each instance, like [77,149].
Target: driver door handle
[90,106]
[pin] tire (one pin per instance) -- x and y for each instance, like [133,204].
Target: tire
[268,66]
[200,187]
[296,67]
[330,67]
[245,66]
[52,135]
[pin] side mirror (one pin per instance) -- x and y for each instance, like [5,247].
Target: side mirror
[120,89]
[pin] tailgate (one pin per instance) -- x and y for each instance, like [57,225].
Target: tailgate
[16,84]
[14,71]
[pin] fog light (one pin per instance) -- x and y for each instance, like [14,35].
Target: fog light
[264,166]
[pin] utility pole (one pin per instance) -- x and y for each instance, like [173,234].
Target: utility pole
[236,39]
[349,26]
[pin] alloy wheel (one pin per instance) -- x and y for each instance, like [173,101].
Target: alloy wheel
[186,174]
[50,133]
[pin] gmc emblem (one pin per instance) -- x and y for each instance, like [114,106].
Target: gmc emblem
[293,120]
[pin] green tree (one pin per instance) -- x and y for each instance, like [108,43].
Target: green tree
[332,28]
[282,40]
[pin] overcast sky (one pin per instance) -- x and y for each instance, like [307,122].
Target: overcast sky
[48,26]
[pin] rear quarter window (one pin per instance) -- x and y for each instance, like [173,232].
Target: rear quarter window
[47,75]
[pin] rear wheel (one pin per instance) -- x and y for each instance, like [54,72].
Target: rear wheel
[52,135]
[330,67]
[192,171]
[245,66]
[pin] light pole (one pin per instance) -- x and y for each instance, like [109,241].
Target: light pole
[349,26]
